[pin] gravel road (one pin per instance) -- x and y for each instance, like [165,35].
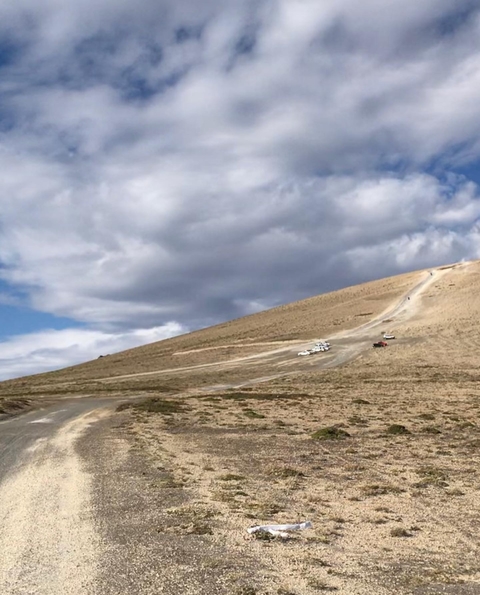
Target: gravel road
[48,539]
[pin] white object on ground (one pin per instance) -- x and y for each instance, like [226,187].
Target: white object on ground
[281,530]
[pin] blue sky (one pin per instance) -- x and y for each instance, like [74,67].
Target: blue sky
[169,165]
[17,321]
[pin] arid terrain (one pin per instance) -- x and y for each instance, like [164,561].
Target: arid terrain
[227,427]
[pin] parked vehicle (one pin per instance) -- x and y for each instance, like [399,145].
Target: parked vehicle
[318,348]
[388,336]
[380,344]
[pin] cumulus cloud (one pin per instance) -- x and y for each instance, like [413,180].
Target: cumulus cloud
[46,350]
[175,161]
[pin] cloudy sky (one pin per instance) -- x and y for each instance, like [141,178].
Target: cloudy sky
[169,164]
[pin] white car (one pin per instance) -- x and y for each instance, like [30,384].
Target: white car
[305,352]
[388,336]
[322,344]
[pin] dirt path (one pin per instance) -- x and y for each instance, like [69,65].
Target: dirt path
[48,541]
[353,342]
[401,310]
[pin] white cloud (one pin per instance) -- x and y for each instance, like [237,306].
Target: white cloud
[51,349]
[193,162]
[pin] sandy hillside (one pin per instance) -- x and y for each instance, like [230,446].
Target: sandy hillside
[283,329]
[378,448]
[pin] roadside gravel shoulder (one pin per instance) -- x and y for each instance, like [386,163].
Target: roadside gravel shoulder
[145,549]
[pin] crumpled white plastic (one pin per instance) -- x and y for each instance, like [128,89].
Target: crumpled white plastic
[281,530]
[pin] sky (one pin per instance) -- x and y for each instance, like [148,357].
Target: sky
[170,164]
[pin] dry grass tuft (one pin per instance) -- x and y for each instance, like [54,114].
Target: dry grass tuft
[397,430]
[154,405]
[330,433]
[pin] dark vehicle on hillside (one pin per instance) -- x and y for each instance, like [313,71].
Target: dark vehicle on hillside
[380,344]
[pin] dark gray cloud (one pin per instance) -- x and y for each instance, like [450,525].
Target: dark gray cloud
[179,164]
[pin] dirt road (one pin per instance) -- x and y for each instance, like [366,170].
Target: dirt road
[48,540]
[401,310]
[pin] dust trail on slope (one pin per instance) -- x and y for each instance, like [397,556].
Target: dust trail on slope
[48,541]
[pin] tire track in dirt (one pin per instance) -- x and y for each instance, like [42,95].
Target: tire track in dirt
[48,541]
[403,306]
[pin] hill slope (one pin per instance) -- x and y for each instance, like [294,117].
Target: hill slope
[381,453]
[379,448]
[284,328]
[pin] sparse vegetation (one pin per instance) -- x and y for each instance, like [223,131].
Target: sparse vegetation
[199,529]
[427,416]
[169,483]
[431,430]
[247,395]
[397,430]
[320,585]
[253,414]
[381,489]
[285,472]
[356,420]
[330,433]
[9,406]
[231,477]
[154,405]
[455,492]
[431,476]
[263,536]
[246,590]
[400,532]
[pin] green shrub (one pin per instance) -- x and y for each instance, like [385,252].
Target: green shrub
[330,433]
[154,405]
[397,429]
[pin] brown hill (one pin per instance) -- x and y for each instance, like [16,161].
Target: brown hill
[280,330]
[379,448]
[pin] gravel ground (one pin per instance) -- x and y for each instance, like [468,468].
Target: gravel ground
[48,541]
[143,551]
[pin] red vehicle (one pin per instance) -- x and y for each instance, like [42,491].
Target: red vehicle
[380,344]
